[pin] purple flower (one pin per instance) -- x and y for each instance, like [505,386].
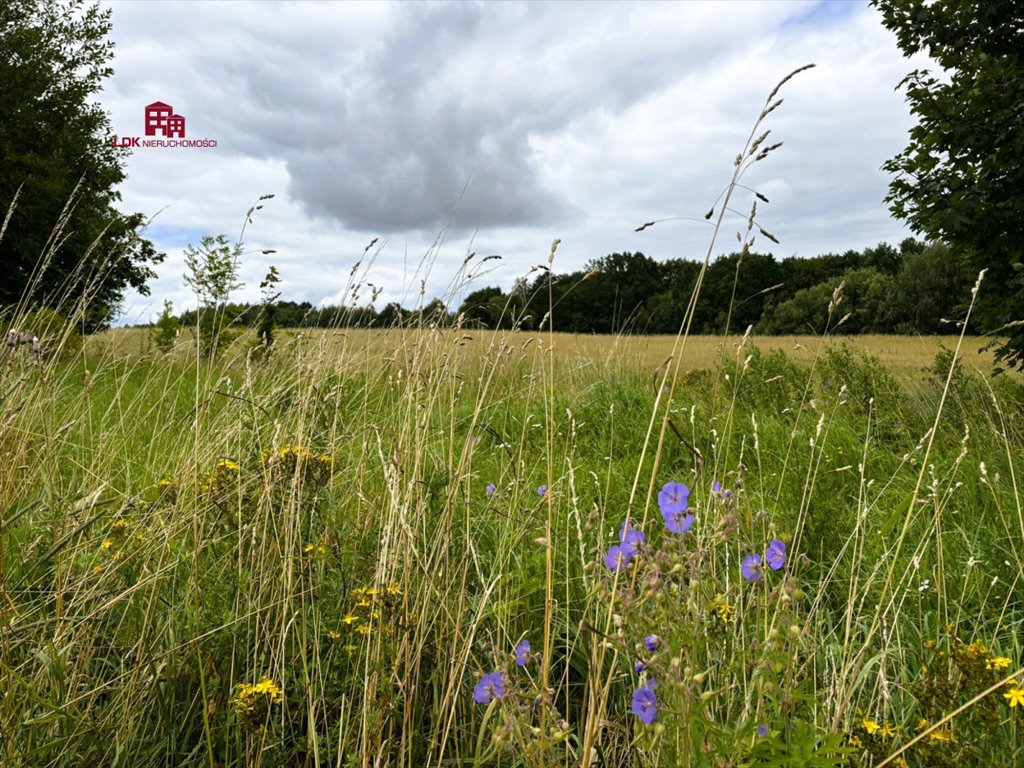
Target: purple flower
[653,642]
[491,686]
[541,490]
[679,524]
[776,554]
[762,731]
[673,500]
[491,489]
[639,667]
[630,539]
[751,568]
[617,558]
[716,490]
[645,703]
[523,653]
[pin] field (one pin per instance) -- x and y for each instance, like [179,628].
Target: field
[435,547]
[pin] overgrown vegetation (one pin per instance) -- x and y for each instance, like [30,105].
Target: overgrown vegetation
[440,547]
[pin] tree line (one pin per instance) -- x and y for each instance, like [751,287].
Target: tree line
[915,288]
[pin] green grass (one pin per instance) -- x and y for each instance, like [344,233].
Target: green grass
[295,557]
[125,643]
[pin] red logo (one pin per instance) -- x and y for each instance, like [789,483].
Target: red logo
[161,120]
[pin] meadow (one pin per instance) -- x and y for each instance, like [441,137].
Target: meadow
[422,546]
[334,554]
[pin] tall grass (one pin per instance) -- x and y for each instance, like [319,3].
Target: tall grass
[312,556]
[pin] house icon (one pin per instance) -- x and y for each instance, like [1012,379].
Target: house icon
[160,119]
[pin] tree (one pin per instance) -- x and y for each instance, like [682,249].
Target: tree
[960,179]
[65,246]
[213,275]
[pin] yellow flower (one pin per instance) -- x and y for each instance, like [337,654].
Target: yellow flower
[725,613]
[107,544]
[120,524]
[1015,696]
[922,724]
[227,464]
[856,742]
[363,629]
[900,762]
[997,662]
[870,726]
[942,736]
[350,619]
[394,589]
[310,548]
[887,731]
[333,635]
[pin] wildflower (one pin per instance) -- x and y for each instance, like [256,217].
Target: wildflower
[645,703]
[331,634]
[630,539]
[762,731]
[491,488]
[227,464]
[639,667]
[107,544]
[941,736]
[350,619]
[776,554]
[870,726]
[751,567]
[725,612]
[541,490]
[673,500]
[997,662]
[856,742]
[886,731]
[617,559]
[490,687]
[267,686]
[652,643]
[1015,696]
[523,653]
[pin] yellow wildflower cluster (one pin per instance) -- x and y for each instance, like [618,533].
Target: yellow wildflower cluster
[1015,695]
[118,535]
[721,611]
[166,490]
[253,701]
[289,459]
[373,609]
[224,477]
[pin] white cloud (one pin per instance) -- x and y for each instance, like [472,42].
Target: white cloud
[570,120]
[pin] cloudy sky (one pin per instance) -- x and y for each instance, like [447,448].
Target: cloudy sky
[494,128]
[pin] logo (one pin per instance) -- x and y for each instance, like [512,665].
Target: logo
[160,120]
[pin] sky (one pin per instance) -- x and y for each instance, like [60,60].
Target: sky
[440,130]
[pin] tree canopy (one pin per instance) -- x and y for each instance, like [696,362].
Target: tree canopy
[960,179]
[65,246]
